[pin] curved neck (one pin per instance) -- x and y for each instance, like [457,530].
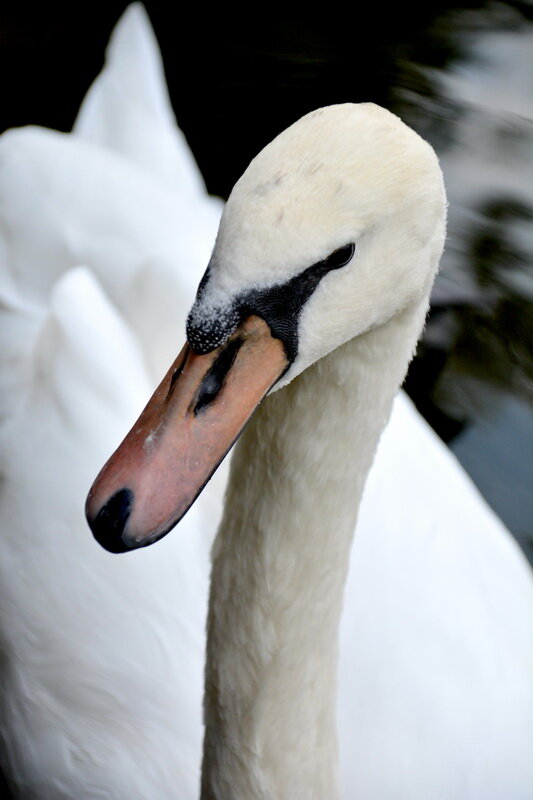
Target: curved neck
[279,567]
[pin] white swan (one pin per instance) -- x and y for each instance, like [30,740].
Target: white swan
[101,678]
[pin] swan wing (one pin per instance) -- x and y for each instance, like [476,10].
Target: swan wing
[90,643]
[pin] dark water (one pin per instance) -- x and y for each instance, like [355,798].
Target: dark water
[459,74]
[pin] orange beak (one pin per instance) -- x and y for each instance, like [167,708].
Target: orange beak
[191,421]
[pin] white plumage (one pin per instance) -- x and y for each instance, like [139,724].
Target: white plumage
[105,234]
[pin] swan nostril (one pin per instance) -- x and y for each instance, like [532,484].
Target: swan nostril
[108,525]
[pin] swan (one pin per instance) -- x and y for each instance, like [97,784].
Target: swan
[318,284]
[102,656]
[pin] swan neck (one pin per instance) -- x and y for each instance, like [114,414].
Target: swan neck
[279,567]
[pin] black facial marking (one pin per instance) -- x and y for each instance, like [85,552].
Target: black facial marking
[108,525]
[214,379]
[203,283]
[207,332]
[339,258]
[280,306]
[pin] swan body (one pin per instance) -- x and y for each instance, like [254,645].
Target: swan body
[102,657]
[69,725]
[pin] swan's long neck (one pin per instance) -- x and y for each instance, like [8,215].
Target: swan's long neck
[280,563]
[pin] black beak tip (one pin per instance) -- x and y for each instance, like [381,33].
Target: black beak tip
[109,523]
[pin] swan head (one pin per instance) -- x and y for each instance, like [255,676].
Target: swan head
[334,228]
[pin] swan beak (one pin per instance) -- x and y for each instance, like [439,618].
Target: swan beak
[191,421]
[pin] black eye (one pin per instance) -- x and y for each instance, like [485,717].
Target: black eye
[339,258]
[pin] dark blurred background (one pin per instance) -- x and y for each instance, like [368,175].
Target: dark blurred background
[460,74]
